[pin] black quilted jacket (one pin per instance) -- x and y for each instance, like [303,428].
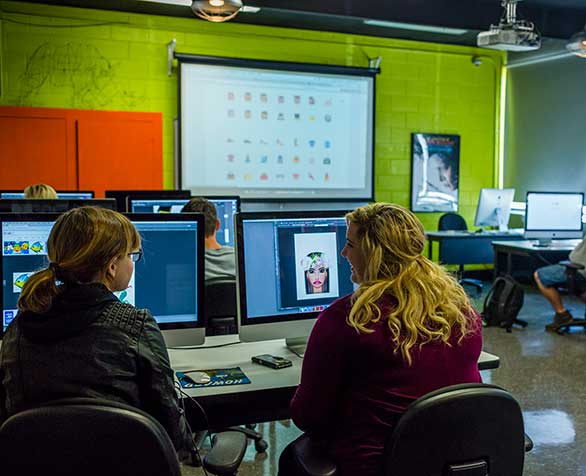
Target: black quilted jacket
[90,344]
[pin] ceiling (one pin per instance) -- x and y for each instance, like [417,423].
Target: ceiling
[553,18]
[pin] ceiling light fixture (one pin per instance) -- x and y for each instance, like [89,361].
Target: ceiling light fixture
[577,43]
[442,30]
[216,10]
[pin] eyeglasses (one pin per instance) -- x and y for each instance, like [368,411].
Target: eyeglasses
[135,256]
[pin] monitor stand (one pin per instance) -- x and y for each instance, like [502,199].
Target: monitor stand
[542,243]
[297,345]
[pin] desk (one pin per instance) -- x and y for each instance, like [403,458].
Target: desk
[268,395]
[538,256]
[466,247]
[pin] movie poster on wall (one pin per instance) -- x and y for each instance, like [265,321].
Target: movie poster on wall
[435,167]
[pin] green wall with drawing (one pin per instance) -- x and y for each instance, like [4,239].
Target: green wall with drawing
[92,59]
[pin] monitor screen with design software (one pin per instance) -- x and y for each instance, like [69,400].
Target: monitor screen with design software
[168,280]
[289,270]
[62,194]
[553,215]
[226,208]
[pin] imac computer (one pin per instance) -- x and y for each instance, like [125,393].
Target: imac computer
[226,208]
[494,207]
[168,280]
[553,215]
[62,194]
[289,270]
[121,196]
[35,205]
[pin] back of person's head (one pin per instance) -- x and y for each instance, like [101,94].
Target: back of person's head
[430,302]
[80,247]
[40,190]
[201,205]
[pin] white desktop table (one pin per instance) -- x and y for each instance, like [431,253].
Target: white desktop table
[268,395]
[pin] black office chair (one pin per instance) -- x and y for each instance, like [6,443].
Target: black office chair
[456,222]
[576,287]
[461,430]
[87,436]
[220,307]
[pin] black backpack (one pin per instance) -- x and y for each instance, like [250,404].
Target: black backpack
[503,302]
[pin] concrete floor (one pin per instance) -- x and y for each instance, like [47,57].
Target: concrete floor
[545,372]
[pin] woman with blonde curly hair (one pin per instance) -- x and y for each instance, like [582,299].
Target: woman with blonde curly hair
[408,329]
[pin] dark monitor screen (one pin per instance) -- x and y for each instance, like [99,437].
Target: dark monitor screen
[121,196]
[35,205]
[168,280]
[62,194]
[290,269]
[226,208]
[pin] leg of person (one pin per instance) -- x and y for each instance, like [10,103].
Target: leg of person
[547,278]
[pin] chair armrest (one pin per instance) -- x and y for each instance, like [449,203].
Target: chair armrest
[227,451]
[312,458]
[571,265]
[528,443]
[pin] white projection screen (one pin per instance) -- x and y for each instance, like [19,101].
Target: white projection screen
[276,131]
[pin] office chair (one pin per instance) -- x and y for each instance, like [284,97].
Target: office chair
[87,436]
[461,430]
[456,222]
[576,287]
[220,306]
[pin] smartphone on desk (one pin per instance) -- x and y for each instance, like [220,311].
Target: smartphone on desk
[272,361]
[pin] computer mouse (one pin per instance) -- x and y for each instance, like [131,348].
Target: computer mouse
[199,378]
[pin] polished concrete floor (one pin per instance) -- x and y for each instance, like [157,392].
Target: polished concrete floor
[545,372]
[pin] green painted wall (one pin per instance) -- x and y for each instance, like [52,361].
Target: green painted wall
[92,59]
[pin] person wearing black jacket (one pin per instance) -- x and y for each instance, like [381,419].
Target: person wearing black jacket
[72,337]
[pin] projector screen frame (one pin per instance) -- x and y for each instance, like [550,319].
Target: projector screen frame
[277,66]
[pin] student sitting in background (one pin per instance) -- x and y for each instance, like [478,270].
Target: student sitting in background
[220,261]
[40,190]
[549,277]
[407,330]
[72,336]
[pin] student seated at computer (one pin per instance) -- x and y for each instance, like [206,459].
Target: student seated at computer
[220,261]
[72,337]
[407,330]
[40,190]
[548,278]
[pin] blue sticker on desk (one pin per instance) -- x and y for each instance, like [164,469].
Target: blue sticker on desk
[217,378]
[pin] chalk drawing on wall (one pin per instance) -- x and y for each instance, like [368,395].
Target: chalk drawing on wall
[78,70]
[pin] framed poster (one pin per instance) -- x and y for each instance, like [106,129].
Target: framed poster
[435,167]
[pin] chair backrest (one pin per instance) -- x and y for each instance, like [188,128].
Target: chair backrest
[451,221]
[85,436]
[463,430]
[220,304]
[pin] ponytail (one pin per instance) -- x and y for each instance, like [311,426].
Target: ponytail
[39,291]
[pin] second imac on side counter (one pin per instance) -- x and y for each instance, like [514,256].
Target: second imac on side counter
[553,215]
[289,270]
[494,207]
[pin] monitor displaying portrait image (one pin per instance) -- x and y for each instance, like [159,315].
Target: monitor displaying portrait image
[289,270]
[168,280]
[226,208]
[494,207]
[553,215]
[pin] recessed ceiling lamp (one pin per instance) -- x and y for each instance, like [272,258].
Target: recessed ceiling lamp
[216,10]
[577,43]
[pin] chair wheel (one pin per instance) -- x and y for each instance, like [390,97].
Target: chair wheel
[260,446]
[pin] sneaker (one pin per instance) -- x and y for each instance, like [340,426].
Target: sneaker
[559,319]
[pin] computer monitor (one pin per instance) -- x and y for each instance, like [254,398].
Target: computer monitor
[62,194]
[121,195]
[35,205]
[275,252]
[226,208]
[494,207]
[168,280]
[550,215]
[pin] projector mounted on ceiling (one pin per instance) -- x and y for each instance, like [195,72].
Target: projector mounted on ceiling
[511,34]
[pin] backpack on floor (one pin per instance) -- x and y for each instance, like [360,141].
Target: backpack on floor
[503,303]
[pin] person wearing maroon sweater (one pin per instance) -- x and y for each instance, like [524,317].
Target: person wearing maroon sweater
[407,330]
